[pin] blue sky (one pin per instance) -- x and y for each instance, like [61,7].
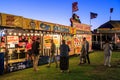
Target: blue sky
[60,11]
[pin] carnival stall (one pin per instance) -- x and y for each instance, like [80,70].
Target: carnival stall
[79,31]
[82,30]
[16,31]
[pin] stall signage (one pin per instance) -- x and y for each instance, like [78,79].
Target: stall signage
[47,41]
[32,24]
[77,43]
[65,30]
[45,26]
[73,30]
[82,26]
[78,26]
[87,28]
[56,39]
[60,28]
[56,28]
[12,39]
[0,19]
[11,20]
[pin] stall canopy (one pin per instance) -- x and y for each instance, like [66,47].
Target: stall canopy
[111,24]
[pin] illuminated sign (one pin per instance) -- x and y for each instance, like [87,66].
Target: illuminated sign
[12,39]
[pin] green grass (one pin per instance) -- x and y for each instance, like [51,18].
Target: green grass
[94,71]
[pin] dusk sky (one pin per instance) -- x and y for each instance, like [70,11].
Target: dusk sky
[60,11]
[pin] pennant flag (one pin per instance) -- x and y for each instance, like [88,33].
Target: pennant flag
[74,6]
[93,15]
[111,10]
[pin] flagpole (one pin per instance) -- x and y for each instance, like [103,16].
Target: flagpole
[111,10]
[72,8]
[90,18]
[110,16]
[90,21]
[72,12]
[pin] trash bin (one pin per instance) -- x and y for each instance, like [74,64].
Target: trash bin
[1,63]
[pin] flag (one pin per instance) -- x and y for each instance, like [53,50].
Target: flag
[111,10]
[93,15]
[74,6]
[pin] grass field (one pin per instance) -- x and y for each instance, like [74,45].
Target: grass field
[94,71]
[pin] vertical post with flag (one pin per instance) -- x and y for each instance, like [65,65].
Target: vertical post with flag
[92,16]
[74,7]
[111,10]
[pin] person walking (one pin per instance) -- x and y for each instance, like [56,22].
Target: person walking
[64,57]
[107,53]
[35,52]
[52,55]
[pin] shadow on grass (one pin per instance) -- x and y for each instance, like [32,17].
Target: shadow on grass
[102,68]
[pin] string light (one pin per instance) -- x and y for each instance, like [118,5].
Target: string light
[19,34]
[10,33]
[15,34]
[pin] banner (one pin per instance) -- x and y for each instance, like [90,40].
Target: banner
[111,10]
[9,20]
[30,24]
[93,15]
[74,6]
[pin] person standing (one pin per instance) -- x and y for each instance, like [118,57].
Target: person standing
[52,55]
[87,50]
[35,52]
[64,56]
[83,53]
[107,53]
[29,49]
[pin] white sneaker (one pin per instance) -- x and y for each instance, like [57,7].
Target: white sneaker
[104,64]
[109,65]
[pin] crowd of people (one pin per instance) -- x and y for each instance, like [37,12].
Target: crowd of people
[33,49]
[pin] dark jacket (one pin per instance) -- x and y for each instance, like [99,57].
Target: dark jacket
[64,50]
[35,48]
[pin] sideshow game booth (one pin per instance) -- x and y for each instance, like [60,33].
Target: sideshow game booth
[15,31]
